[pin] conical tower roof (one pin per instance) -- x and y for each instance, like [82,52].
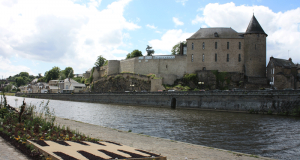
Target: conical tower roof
[254,27]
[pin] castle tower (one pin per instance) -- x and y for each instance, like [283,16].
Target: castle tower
[255,50]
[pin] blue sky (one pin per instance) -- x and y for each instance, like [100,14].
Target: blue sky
[36,35]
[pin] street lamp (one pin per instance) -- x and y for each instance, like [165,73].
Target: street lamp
[132,85]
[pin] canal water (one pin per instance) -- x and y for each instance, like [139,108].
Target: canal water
[265,135]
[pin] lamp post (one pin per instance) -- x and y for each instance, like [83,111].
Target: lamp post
[132,85]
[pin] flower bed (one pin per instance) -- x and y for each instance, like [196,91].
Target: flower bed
[36,124]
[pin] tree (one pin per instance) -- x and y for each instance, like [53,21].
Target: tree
[52,74]
[24,74]
[100,61]
[20,81]
[134,53]
[176,49]
[68,72]
[149,50]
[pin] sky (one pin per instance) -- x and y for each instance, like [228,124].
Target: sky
[36,35]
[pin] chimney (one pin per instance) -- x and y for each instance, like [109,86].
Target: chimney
[271,57]
[290,59]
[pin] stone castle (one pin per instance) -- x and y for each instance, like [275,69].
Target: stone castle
[242,54]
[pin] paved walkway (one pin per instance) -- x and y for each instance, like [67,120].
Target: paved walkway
[8,152]
[173,150]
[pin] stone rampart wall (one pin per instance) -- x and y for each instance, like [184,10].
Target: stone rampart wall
[240,101]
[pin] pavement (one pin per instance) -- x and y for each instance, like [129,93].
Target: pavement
[9,152]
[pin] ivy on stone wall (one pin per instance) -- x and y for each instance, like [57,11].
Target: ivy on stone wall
[222,77]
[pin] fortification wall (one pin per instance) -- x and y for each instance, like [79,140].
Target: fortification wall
[113,67]
[127,65]
[238,101]
[210,63]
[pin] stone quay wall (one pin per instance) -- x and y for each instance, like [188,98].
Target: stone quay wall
[226,101]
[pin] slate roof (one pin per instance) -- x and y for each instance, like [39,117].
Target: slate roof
[221,33]
[254,27]
[283,63]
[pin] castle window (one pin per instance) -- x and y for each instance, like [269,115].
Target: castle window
[255,46]
[240,57]
[192,46]
[192,57]
[203,58]
[216,57]
[166,66]
[227,57]
[216,45]
[227,45]
[240,45]
[203,45]
[204,68]
[216,34]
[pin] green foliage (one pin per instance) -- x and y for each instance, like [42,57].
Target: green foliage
[106,63]
[91,76]
[42,79]
[222,77]
[62,75]
[134,53]
[20,81]
[68,72]
[79,79]
[52,74]
[7,88]
[190,77]
[176,49]
[100,61]
[24,74]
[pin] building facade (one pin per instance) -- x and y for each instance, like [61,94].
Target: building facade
[221,49]
[226,50]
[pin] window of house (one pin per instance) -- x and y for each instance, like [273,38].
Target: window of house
[203,45]
[203,58]
[216,45]
[192,46]
[227,45]
[240,45]
[216,57]
[192,57]
[240,58]
[227,57]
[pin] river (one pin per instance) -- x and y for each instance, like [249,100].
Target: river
[265,135]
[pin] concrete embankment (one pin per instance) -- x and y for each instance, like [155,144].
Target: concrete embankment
[173,150]
[226,101]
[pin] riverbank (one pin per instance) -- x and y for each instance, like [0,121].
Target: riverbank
[173,150]
[253,102]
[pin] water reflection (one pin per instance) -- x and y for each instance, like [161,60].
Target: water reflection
[265,135]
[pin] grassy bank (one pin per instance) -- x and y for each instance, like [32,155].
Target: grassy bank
[9,94]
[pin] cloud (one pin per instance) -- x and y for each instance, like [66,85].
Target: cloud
[169,39]
[151,26]
[177,22]
[282,27]
[9,69]
[181,1]
[61,31]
